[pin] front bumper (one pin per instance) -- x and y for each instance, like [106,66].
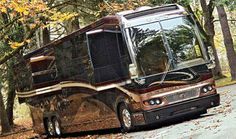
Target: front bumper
[179,109]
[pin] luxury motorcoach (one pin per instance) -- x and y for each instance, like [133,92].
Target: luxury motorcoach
[135,68]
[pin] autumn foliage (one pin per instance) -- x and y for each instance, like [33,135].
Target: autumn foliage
[31,14]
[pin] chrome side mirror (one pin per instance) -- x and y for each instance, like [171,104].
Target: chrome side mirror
[211,64]
[133,71]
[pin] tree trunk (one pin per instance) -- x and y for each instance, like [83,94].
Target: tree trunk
[74,24]
[228,41]
[11,92]
[8,113]
[46,36]
[37,36]
[3,115]
[209,27]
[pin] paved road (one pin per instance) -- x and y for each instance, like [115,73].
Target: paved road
[218,123]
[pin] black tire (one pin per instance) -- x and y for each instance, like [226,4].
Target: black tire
[125,117]
[49,127]
[57,126]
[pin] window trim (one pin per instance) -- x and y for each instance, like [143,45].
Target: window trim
[101,31]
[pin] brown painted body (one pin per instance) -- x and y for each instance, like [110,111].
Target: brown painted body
[77,112]
[82,109]
[83,79]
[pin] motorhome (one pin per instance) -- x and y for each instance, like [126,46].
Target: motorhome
[138,67]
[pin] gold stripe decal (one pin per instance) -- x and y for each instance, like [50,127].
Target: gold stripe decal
[67,84]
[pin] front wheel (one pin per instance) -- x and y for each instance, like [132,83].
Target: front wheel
[125,118]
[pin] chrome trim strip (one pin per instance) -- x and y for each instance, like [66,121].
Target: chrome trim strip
[179,90]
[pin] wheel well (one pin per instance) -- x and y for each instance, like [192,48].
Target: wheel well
[53,117]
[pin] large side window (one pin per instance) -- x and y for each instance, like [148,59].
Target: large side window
[72,59]
[63,53]
[23,76]
[81,58]
[109,56]
[182,41]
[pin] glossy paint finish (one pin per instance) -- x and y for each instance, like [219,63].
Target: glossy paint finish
[73,87]
[78,110]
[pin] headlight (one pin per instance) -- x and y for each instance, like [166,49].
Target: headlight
[207,88]
[158,101]
[204,90]
[151,102]
[155,101]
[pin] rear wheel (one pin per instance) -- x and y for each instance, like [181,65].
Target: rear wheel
[56,126]
[125,118]
[49,127]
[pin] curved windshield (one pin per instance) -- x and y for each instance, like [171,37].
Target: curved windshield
[148,45]
[152,53]
[183,42]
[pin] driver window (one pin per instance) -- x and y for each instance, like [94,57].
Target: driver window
[150,50]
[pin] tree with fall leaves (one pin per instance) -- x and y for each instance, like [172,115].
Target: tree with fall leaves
[19,21]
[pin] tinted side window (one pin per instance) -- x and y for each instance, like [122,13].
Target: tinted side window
[23,76]
[109,56]
[81,59]
[63,53]
[101,48]
[72,59]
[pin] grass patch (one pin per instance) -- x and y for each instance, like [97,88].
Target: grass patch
[225,81]
[21,110]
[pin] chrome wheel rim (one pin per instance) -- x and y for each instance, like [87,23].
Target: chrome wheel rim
[57,128]
[126,118]
[50,128]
